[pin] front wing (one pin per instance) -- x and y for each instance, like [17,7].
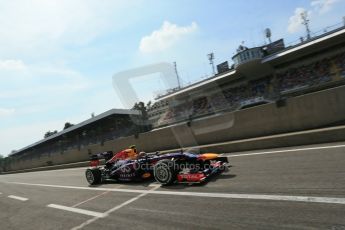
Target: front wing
[217,167]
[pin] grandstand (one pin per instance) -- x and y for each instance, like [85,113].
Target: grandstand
[110,125]
[259,75]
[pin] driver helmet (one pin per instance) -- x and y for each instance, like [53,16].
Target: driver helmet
[134,148]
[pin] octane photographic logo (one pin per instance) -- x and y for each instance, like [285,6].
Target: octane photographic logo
[194,167]
[185,136]
[176,167]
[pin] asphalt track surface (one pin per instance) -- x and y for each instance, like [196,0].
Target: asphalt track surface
[294,188]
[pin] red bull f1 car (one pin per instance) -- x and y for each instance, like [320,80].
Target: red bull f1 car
[166,169]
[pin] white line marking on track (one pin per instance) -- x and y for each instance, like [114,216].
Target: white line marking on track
[77,210]
[311,199]
[286,150]
[18,198]
[113,209]
[170,213]
[154,184]
[92,198]
[66,169]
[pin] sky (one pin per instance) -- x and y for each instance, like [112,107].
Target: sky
[57,57]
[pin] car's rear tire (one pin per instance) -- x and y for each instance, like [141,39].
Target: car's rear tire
[93,176]
[165,172]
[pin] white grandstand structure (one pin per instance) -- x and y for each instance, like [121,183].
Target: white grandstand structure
[258,75]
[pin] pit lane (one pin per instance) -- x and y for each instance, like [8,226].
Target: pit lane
[293,172]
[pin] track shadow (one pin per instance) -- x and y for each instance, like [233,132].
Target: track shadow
[148,182]
[221,177]
[145,183]
[212,179]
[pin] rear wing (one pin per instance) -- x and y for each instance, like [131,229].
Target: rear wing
[95,158]
[104,155]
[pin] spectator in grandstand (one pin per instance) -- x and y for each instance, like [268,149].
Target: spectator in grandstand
[200,106]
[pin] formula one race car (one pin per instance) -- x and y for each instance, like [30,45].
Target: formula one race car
[166,169]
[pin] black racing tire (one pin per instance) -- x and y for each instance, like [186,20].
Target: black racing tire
[93,176]
[164,172]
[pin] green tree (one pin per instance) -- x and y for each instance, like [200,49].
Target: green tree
[144,120]
[67,125]
[2,163]
[49,133]
[142,108]
[148,105]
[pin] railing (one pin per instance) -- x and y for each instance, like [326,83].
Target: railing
[313,35]
[316,34]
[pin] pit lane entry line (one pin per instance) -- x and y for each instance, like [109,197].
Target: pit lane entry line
[92,198]
[309,199]
[286,150]
[113,209]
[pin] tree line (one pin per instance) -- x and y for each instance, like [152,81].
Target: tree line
[49,133]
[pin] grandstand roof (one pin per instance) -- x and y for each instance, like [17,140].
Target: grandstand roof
[325,40]
[86,122]
[332,38]
[199,84]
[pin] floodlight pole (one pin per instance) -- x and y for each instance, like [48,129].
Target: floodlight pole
[178,78]
[268,35]
[305,22]
[210,57]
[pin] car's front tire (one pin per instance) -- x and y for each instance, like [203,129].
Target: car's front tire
[164,172]
[93,176]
